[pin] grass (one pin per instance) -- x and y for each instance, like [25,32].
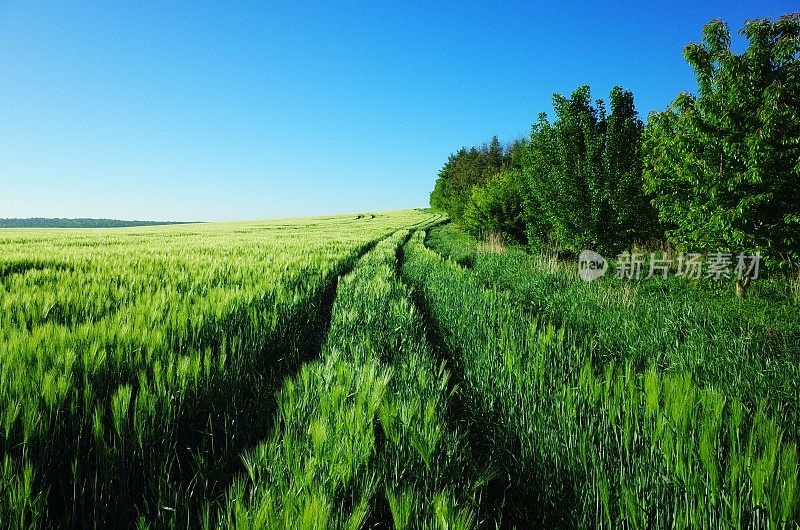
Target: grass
[589,439]
[137,364]
[747,348]
[362,437]
[352,372]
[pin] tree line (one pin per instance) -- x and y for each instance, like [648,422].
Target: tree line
[716,171]
[60,222]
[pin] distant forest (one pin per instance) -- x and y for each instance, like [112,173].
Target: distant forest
[45,222]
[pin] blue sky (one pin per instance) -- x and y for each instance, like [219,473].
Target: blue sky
[235,110]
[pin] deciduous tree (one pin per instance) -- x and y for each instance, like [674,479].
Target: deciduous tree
[724,165]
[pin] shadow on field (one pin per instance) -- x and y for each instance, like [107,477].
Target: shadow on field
[22,266]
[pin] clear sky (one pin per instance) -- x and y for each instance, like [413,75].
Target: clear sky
[234,110]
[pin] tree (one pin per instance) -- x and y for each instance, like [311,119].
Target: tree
[565,161]
[461,172]
[724,166]
[632,216]
[584,180]
[494,154]
[464,170]
[497,207]
[579,213]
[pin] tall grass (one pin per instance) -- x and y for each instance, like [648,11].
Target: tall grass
[588,445]
[745,348]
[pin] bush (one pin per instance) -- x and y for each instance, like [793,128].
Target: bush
[497,207]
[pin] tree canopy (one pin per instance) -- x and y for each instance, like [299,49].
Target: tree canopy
[584,173]
[723,166]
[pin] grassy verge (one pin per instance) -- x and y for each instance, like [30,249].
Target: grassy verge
[588,446]
[748,348]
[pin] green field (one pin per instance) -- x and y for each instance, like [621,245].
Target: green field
[382,371]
